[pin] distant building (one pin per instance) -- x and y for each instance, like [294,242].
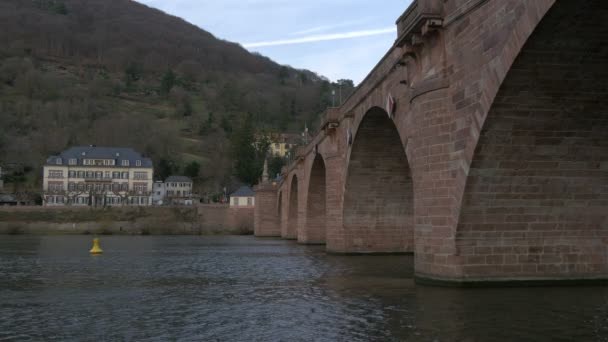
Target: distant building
[175,190]
[178,190]
[243,197]
[283,143]
[10,200]
[97,176]
[159,192]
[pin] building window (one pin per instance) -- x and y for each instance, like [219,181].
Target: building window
[107,175]
[138,163]
[55,186]
[140,175]
[125,186]
[249,201]
[98,174]
[125,175]
[115,175]
[59,161]
[58,174]
[72,161]
[90,174]
[80,174]
[80,186]
[71,186]
[72,174]
[140,187]
[125,163]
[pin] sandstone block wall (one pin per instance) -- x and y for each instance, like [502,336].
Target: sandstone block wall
[208,219]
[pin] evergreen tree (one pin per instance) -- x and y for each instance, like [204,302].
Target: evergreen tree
[166,167]
[192,169]
[184,107]
[133,73]
[207,125]
[167,82]
[226,124]
[59,8]
[275,164]
[249,152]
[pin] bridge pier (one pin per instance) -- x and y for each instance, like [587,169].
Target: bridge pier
[266,220]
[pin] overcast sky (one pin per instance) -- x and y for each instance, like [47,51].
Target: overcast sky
[336,39]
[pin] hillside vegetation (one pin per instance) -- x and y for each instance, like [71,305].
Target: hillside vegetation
[118,73]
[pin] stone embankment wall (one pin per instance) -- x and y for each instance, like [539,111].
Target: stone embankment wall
[197,220]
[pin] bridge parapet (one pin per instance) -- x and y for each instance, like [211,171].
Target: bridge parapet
[418,19]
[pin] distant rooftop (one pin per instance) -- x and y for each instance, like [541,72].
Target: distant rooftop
[178,179]
[92,152]
[243,191]
[7,198]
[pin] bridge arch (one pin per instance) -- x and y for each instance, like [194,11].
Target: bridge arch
[378,204]
[535,197]
[315,229]
[291,231]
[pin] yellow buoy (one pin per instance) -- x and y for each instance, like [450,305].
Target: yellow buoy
[96,249]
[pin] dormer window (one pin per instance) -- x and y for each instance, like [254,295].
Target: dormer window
[59,161]
[72,161]
[125,163]
[138,163]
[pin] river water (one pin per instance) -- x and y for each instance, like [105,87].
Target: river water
[247,289]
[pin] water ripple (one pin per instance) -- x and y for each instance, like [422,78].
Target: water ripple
[246,289]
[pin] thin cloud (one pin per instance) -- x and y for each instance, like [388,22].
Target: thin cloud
[322,28]
[324,37]
[313,30]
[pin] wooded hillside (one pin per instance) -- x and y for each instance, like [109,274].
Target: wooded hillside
[118,73]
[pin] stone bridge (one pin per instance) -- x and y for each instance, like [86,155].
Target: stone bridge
[479,143]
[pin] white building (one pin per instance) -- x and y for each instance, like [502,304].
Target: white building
[159,192]
[97,176]
[243,197]
[179,190]
[175,190]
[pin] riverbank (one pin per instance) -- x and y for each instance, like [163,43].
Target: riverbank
[195,220]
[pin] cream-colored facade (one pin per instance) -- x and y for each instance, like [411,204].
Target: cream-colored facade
[243,197]
[283,143]
[98,180]
[280,149]
[245,201]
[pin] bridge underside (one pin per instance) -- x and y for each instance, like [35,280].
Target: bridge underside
[497,172]
[379,197]
[537,191]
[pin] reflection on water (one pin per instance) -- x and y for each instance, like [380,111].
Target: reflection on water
[247,289]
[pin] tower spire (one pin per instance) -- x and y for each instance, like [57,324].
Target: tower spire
[265,173]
